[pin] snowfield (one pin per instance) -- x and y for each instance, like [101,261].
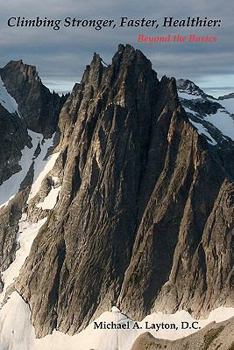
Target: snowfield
[203,131]
[41,166]
[17,332]
[188,96]
[26,235]
[10,187]
[50,201]
[222,121]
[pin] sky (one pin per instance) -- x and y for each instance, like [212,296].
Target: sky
[61,55]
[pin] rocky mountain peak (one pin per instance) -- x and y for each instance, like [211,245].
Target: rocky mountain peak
[37,106]
[129,63]
[127,54]
[187,86]
[93,73]
[128,82]
[21,70]
[129,67]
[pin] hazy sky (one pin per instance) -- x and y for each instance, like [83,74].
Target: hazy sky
[62,55]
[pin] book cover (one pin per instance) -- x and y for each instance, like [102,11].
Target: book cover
[116,175]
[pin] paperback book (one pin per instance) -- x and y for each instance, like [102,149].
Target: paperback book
[116,175]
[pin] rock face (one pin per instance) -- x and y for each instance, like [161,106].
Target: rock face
[145,215]
[13,136]
[215,336]
[38,107]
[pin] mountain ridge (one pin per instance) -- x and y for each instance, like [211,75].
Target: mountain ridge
[144,203]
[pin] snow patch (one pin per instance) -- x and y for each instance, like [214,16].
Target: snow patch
[191,111]
[55,180]
[42,166]
[16,331]
[26,235]
[50,201]
[222,121]
[10,187]
[203,131]
[188,96]
[6,100]
[115,309]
